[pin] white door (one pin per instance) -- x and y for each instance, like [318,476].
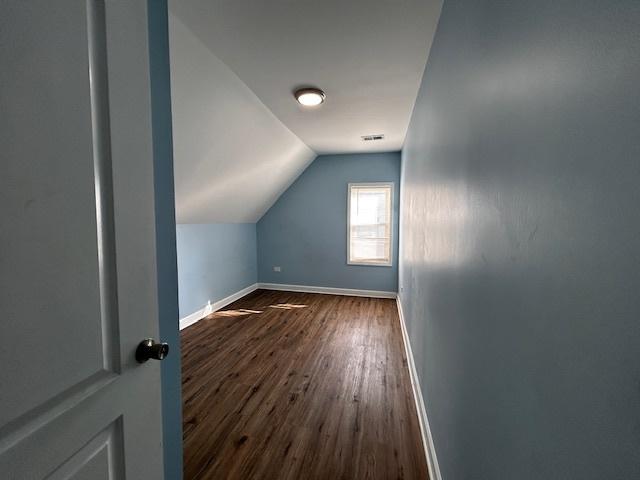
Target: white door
[77,243]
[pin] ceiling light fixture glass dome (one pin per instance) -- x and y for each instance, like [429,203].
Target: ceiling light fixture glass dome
[309,97]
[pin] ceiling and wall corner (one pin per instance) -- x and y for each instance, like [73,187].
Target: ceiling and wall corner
[240,138]
[232,157]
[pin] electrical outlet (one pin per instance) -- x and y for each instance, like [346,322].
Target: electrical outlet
[277,269]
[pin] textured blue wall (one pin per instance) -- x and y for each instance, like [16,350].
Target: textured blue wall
[214,261]
[521,239]
[165,236]
[305,231]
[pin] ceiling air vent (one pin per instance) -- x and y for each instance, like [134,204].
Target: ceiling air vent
[371,138]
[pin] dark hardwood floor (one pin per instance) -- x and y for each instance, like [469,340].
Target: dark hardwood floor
[283,385]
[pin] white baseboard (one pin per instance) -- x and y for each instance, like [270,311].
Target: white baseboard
[425,430]
[327,290]
[195,316]
[213,307]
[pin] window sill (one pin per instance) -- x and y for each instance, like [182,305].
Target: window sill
[370,264]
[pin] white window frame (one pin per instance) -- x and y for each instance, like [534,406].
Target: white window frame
[372,185]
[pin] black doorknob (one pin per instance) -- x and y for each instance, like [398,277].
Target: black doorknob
[148,348]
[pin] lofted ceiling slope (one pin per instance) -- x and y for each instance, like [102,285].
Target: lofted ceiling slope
[232,157]
[240,138]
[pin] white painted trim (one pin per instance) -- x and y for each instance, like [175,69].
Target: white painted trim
[195,316]
[214,307]
[389,185]
[327,290]
[425,430]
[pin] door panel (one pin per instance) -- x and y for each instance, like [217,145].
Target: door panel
[100,458]
[77,243]
[46,183]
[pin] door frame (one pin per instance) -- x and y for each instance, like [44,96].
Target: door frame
[157,11]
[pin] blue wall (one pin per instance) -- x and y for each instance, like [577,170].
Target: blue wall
[214,261]
[165,236]
[305,231]
[521,239]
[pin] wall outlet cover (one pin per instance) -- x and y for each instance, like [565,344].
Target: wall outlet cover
[277,269]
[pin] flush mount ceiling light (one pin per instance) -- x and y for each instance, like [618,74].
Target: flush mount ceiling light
[309,97]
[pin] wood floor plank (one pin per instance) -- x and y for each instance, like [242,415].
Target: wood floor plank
[286,385]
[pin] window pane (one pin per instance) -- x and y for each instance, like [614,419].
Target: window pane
[367,249]
[370,224]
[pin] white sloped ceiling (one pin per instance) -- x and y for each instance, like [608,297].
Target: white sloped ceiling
[367,55]
[240,138]
[232,156]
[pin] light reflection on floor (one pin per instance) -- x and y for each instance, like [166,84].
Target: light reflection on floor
[245,311]
[235,313]
[287,306]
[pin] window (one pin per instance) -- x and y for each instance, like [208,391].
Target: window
[369,224]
